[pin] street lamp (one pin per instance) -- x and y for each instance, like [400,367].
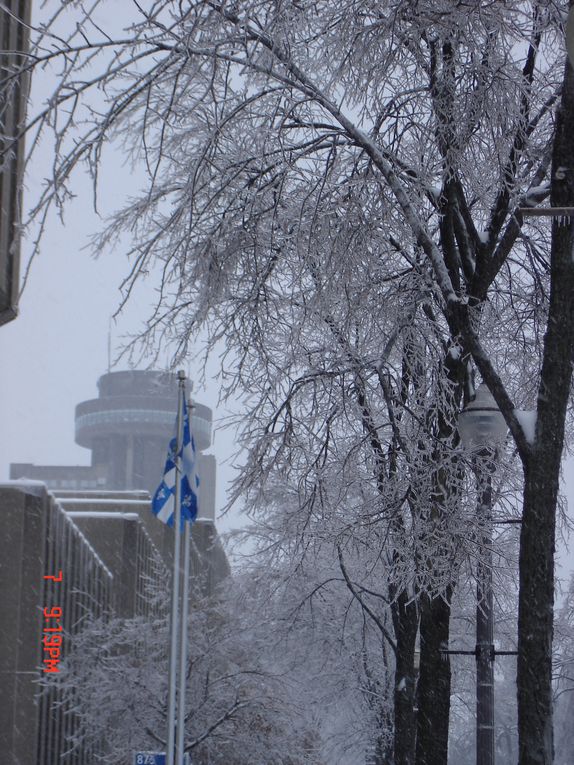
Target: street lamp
[482,427]
[481,423]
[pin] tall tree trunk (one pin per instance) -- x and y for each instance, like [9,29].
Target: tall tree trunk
[433,692]
[434,681]
[405,622]
[542,466]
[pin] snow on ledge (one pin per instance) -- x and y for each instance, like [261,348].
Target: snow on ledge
[29,486]
[80,514]
[100,501]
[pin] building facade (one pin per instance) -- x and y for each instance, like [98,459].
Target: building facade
[51,581]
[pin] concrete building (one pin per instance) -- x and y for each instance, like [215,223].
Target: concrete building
[93,532]
[14,34]
[38,541]
[126,427]
[137,548]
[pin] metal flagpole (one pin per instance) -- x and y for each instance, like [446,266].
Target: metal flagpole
[172,685]
[183,645]
[183,634]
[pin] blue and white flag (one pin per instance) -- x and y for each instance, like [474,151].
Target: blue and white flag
[163,502]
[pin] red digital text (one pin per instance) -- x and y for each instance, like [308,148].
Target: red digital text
[52,632]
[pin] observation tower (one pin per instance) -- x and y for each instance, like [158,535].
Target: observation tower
[127,428]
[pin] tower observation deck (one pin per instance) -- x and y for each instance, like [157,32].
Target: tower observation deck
[127,427]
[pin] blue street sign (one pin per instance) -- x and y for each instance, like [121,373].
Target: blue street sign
[149,758]
[154,758]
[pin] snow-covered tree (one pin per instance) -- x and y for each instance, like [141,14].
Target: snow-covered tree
[335,189]
[241,700]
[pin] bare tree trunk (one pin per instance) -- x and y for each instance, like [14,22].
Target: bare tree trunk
[434,681]
[405,622]
[433,692]
[535,632]
[542,467]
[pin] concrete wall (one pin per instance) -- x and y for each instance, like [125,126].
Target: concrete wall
[22,550]
[37,539]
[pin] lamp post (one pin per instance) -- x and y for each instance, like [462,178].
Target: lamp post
[481,427]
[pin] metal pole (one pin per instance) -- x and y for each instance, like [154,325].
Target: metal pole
[183,646]
[485,632]
[180,750]
[173,631]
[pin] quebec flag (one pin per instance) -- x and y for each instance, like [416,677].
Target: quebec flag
[163,502]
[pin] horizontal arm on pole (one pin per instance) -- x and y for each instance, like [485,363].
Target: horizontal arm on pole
[475,652]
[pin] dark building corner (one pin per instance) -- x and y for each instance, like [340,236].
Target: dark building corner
[14,34]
